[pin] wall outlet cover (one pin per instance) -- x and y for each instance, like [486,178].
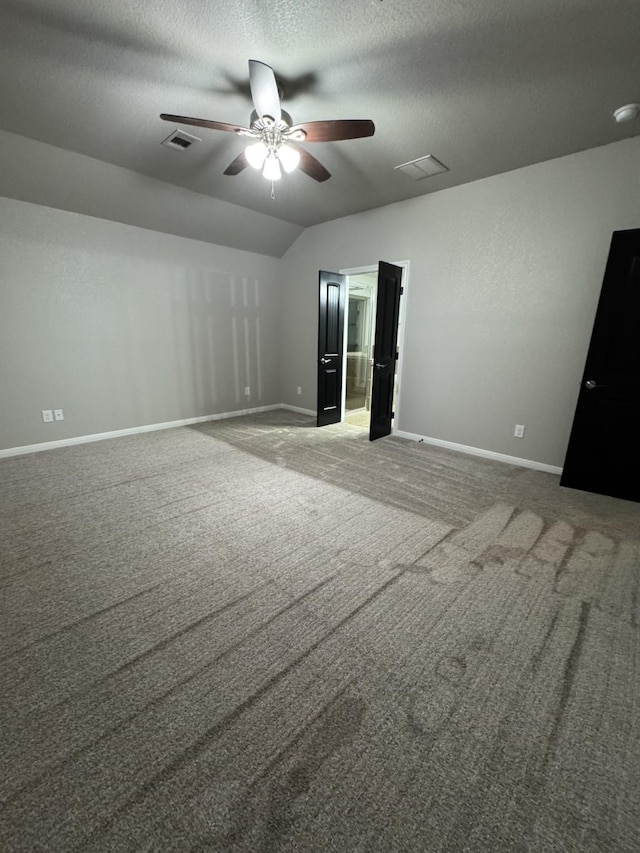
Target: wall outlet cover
[47,416]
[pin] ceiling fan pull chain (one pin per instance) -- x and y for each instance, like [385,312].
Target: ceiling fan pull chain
[273,191]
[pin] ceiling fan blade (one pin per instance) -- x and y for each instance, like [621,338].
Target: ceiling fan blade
[310,166]
[264,90]
[203,122]
[332,131]
[237,165]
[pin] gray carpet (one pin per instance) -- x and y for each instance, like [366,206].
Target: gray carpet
[255,635]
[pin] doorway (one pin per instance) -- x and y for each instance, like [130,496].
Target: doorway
[333,341]
[360,332]
[380,286]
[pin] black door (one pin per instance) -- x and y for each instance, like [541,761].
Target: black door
[333,288]
[604,448]
[385,349]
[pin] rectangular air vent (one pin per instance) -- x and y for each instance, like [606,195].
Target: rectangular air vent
[180,140]
[423,167]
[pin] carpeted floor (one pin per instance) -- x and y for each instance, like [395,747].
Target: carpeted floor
[255,635]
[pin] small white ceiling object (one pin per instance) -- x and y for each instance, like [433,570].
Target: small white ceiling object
[627,113]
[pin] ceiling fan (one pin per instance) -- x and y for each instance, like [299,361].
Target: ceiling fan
[275,138]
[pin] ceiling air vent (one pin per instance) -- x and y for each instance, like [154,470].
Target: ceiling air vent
[180,140]
[423,167]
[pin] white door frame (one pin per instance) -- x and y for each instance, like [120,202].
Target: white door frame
[402,322]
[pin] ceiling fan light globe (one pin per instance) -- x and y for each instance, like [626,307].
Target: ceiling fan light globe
[272,170]
[256,154]
[289,157]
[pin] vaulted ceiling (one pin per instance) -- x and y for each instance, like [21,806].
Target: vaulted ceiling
[485,86]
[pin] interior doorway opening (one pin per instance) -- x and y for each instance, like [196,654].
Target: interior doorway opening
[374,382]
[360,335]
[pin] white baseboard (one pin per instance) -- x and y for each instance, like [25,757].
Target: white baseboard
[117,433]
[101,436]
[297,409]
[478,451]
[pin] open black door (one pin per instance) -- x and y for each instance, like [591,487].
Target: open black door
[604,448]
[333,289]
[385,349]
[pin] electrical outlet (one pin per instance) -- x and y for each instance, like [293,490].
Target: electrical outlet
[58,414]
[519,431]
[47,416]
[247,390]
[299,390]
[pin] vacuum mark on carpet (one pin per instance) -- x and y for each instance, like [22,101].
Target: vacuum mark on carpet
[568,678]
[212,734]
[81,621]
[157,700]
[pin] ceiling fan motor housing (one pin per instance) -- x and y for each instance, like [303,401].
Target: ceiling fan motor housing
[273,133]
[285,117]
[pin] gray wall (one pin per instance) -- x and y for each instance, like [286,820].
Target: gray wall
[46,175]
[122,327]
[504,280]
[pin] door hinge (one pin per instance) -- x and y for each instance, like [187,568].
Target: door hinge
[401,291]
[397,355]
[393,414]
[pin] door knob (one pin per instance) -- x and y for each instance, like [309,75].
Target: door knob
[379,364]
[590,384]
[325,360]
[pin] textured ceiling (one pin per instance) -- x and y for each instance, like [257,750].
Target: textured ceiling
[484,85]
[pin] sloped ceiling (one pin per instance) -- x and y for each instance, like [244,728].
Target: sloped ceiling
[486,86]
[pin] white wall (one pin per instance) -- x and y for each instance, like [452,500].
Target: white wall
[121,326]
[504,280]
